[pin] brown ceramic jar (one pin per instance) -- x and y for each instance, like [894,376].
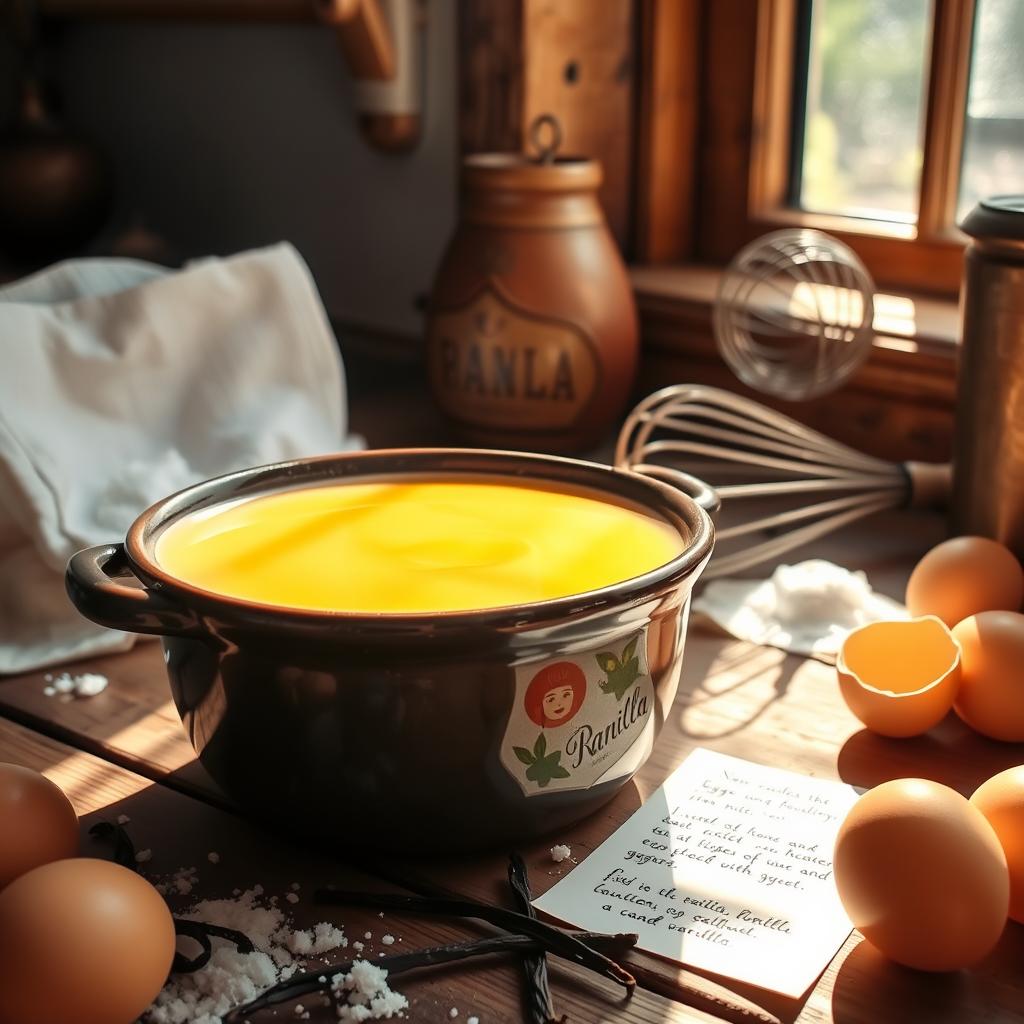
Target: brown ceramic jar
[532,329]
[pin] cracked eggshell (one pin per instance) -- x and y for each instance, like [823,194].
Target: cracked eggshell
[900,678]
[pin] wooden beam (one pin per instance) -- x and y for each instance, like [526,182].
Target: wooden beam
[667,130]
[490,76]
[574,59]
[948,81]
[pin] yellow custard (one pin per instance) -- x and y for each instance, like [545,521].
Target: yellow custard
[430,546]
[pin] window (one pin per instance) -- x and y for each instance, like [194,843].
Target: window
[859,100]
[993,150]
[879,121]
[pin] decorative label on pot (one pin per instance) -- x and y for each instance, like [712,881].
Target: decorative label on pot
[580,721]
[496,365]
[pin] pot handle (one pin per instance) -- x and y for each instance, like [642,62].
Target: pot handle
[91,581]
[703,494]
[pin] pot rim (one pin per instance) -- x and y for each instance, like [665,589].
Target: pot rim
[670,504]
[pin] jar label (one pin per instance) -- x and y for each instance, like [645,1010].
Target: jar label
[579,721]
[495,365]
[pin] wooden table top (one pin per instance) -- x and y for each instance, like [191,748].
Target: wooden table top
[125,752]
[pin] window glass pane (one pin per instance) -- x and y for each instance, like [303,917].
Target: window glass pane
[993,155]
[859,131]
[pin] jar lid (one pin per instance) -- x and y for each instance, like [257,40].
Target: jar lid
[997,219]
[546,170]
[512,171]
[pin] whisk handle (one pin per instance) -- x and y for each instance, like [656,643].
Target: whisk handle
[930,484]
[703,494]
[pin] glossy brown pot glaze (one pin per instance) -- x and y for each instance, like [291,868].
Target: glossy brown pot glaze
[532,326]
[411,732]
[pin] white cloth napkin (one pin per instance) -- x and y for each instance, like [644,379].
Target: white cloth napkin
[807,608]
[122,382]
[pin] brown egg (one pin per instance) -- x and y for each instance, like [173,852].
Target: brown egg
[921,873]
[991,695]
[37,822]
[82,942]
[900,678]
[964,576]
[1001,800]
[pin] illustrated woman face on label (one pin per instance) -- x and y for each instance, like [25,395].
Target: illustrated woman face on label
[555,694]
[557,703]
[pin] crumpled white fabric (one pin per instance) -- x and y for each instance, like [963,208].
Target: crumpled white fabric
[122,382]
[807,608]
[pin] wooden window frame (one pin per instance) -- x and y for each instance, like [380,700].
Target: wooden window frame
[714,103]
[674,110]
[738,144]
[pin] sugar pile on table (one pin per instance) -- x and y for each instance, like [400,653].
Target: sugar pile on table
[231,978]
[560,852]
[180,883]
[363,994]
[807,608]
[88,684]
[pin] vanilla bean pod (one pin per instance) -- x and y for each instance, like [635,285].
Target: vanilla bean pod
[535,965]
[401,963]
[124,848]
[555,940]
[202,932]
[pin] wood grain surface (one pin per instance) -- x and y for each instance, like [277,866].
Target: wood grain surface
[749,701]
[737,698]
[181,831]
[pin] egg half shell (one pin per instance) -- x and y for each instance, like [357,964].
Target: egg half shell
[37,822]
[1001,800]
[922,874]
[900,678]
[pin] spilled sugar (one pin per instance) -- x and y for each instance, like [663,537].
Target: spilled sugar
[180,883]
[363,994]
[231,978]
[88,684]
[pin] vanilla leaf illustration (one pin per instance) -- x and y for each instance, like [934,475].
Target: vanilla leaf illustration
[546,768]
[622,674]
[523,754]
[629,650]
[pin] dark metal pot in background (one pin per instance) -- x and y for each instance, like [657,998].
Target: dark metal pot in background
[395,732]
[988,450]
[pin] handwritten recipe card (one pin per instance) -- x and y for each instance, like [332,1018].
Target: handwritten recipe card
[726,868]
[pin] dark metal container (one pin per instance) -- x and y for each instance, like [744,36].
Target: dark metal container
[413,732]
[988,449]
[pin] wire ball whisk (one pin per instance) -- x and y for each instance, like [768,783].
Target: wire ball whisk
[781,484]
[794,313]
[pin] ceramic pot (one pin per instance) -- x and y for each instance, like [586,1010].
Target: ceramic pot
[532,326]
[399,732]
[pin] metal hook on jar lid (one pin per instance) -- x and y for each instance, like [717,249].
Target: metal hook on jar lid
[546,151]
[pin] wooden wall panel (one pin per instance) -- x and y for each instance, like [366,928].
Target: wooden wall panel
[669,62]
[490,75]
[579,67]
[573,59]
